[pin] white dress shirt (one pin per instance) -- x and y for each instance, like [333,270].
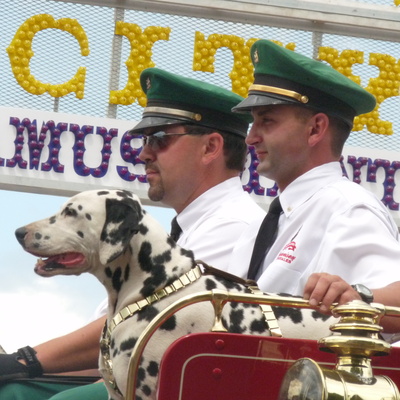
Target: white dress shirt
[329,224]
[212,224]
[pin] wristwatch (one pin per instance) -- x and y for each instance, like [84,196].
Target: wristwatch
[365,293]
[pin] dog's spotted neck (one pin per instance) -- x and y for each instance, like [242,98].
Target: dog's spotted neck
[127,312]
[151,261]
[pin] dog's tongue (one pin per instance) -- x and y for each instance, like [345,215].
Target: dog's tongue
[61,262]
[66,259]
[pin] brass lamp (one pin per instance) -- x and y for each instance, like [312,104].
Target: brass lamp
[355,340]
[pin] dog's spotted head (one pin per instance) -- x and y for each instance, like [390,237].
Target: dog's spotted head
[92,227]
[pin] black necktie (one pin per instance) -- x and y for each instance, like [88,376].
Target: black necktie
[265,238]
[176,230]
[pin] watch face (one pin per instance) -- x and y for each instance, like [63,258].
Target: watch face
[365,293]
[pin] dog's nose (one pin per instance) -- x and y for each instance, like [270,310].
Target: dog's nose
[20,234]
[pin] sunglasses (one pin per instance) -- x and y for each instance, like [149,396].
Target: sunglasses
[159,140]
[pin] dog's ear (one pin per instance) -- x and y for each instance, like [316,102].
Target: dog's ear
[122,222]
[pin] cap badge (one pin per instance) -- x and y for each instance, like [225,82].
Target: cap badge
[148,83]
[255,56]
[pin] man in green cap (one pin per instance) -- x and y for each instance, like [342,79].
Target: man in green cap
[194,151]
[335,241]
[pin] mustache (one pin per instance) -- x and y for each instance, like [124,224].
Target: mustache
[151,166]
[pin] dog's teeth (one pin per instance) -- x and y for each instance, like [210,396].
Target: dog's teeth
[40,261]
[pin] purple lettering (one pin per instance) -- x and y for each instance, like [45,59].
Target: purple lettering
[131,155]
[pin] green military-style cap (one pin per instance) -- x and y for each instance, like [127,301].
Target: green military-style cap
[282,76]
[173,99]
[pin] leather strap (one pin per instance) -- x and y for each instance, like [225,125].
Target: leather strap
[28,354]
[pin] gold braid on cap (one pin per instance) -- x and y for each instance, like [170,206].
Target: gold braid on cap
[173,111]
[283,92]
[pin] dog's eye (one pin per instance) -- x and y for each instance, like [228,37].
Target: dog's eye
[69,212]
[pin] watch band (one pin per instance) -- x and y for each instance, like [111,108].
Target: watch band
[28,354]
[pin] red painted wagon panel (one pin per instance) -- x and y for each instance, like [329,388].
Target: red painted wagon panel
[224,366]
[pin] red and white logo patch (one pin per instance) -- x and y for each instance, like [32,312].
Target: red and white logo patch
[286,255]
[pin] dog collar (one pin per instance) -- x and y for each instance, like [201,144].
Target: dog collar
[127,312]
[184,280]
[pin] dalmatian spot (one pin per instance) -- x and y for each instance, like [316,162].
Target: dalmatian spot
[230,285]
[146,390]
[143,229]
[141,375]
[124,194]
[317,315]
[294,314]
[152,369]
[128,344]
[154,280]
[115,277]
[144,256]
[126,273]
[103,193]
[257,326]
[147,314]
[163,258]
[69,211]
[236,320]
[186,253]
[169,324]
[115,352]
[171,242]
[210,284]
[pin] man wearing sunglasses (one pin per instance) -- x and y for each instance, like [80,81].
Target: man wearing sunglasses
[194,151]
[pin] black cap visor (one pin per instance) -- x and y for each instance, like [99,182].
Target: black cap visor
[258,100]
[155,122]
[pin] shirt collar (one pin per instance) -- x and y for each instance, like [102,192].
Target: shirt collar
[205,202]
[306,185]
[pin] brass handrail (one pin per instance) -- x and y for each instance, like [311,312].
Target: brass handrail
[218,298]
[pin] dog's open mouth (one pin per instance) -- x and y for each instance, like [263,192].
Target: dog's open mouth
[46,266]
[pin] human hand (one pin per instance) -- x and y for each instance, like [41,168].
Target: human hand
[328,289]
[21,364]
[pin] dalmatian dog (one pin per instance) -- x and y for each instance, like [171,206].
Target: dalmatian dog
[108,234]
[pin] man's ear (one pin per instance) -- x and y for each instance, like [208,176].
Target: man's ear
[319,124]
[214,146]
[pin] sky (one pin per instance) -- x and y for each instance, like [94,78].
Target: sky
[35,309]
